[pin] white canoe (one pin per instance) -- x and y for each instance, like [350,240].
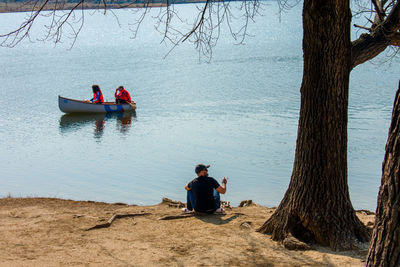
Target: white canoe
[68,105]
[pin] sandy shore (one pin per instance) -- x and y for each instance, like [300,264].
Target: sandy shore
[54,232]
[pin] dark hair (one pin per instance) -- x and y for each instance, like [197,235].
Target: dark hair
[95,88]
[201,167]
[120,87]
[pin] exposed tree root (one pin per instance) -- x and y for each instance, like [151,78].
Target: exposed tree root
[181,216]
[246,203]
[293,243]
[84,215]
[338,233]
[115,216]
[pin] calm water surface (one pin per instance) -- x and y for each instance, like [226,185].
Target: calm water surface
[238,113]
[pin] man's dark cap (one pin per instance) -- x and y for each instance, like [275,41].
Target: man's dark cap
[200,167]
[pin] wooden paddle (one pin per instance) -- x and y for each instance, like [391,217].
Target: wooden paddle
[132,105]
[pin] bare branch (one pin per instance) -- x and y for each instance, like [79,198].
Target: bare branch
[201,21]
[392,22]
[378,9]
[362,27]
[24,28]
[368,46]
[134,27]
[203,32]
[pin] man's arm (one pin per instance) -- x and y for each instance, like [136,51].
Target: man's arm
[187,187]
[222,189]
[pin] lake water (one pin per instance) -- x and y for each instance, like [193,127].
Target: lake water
[238,113]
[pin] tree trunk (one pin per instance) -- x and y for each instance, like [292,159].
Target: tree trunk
[316,206]
[384,249]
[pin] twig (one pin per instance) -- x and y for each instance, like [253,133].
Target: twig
[362,27]
[201,22]
[116,216]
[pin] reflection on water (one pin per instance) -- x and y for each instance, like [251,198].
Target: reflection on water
[124,122]
[74,122]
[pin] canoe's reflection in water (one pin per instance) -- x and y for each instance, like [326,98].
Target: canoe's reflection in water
[73,122]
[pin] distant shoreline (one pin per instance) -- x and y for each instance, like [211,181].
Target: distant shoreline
[26,7]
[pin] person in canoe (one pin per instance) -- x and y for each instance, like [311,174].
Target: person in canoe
[122,95]
[97,95]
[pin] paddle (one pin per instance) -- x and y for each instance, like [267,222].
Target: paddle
[132,105]
[129,103]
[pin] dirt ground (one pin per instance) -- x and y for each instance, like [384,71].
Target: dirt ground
[54,232]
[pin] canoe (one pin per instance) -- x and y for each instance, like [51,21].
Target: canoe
[68,105]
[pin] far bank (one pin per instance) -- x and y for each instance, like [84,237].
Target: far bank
[27,6]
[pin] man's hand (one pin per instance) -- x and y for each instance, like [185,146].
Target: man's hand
[222,189]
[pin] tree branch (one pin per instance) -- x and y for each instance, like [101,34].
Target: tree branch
[392,23]
[362,27]
[368,46]
[201,21]
[24,28]
[378,9]
[203,32]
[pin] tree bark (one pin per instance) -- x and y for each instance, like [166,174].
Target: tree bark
[368,46]
[384,249]
[317,206]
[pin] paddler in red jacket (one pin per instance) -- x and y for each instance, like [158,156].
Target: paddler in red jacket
[122,95]
[97,95]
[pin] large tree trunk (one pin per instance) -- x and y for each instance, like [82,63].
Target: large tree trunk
[316,206]
[384,249]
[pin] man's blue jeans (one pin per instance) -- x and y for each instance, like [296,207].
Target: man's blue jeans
[191,201]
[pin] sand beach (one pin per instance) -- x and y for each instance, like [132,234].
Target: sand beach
[58,232]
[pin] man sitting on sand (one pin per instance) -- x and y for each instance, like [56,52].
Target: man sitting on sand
[203,192]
